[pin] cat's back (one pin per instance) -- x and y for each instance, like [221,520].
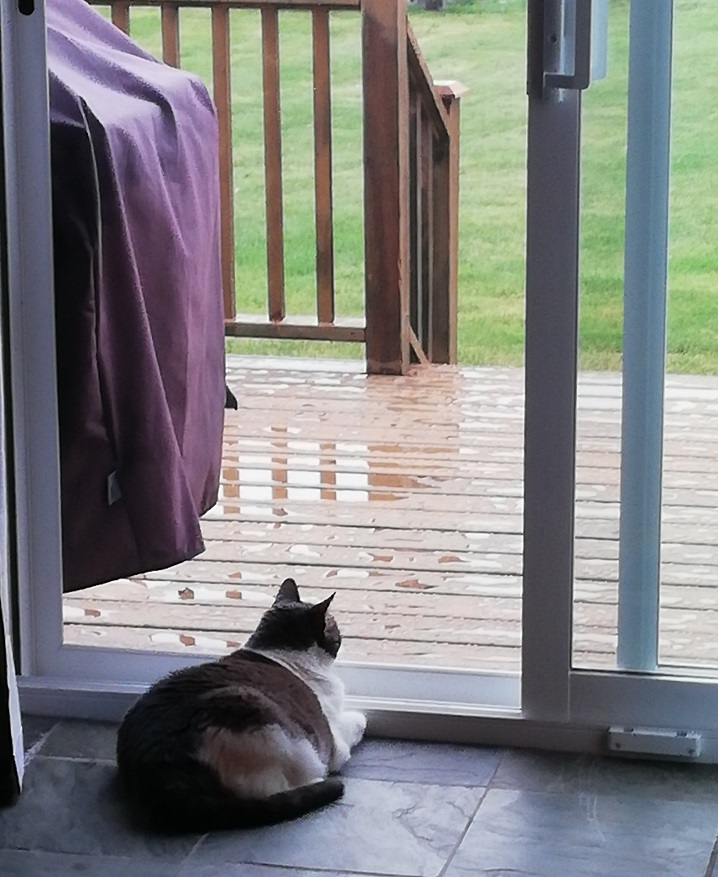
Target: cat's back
[241,693]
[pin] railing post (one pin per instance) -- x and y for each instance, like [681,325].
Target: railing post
[444,311]
[386,203]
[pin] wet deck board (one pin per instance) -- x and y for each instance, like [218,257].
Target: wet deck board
[404,495]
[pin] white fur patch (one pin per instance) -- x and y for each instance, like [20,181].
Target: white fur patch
[316,669]
[257,764]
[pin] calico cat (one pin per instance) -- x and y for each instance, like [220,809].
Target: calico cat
[249,739]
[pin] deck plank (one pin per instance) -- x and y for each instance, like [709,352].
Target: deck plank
[404,495]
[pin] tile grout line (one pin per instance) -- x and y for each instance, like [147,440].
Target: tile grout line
[198,843]
[458,843]
[492,780]
[710,867]
[311,872]
[460,840]
[34,750]
[289,869]
[81,759]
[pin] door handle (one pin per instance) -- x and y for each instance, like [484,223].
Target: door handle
[576,47]
[559,45]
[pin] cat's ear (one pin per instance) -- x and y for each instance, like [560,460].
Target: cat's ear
[325,628]
[321,608]
[288,593]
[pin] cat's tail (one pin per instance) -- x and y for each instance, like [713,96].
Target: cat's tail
[223,810]
[295,802]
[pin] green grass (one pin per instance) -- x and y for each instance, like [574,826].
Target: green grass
[481,44]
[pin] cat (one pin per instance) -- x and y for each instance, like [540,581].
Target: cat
[247,740]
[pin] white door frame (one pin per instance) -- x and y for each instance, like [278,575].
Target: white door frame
[10,719]
[551,363]
[31,327]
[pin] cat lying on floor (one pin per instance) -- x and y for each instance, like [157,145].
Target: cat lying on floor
[249,739]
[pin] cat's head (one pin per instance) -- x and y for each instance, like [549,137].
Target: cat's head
[297,626]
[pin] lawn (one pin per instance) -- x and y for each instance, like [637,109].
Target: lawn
[482,44]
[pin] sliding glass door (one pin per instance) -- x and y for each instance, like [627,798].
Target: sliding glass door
[648,437]
[625,524]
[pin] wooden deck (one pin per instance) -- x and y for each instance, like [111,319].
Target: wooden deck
[404,496]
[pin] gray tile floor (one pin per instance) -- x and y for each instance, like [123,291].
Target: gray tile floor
[414,810]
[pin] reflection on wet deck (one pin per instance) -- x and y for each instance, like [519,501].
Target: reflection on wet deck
[404,496]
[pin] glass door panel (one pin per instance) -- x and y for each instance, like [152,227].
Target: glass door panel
[647,432]
[688,617]
[404,495]
[598,444]
[598,422]
[456,578]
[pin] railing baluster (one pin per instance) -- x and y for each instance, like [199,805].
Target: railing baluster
[323,167]
[446,231]
[273,163]
[223,102]
[414,209]
[120,10]
[426,267]
[170,34]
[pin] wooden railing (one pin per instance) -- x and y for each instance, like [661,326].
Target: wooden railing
[411,142]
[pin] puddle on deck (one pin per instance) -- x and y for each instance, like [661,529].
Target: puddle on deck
[383,490]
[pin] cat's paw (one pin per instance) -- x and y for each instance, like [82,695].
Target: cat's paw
[355,724]
[347,733]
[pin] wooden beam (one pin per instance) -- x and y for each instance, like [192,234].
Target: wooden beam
[170,34]
[418,350]
[423,82]
[415,122]
[242,4]
[273,163]
[425,268]
[120,13]
[445,270]
[309,330]
[223,102]
[323,167]
[386,163]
